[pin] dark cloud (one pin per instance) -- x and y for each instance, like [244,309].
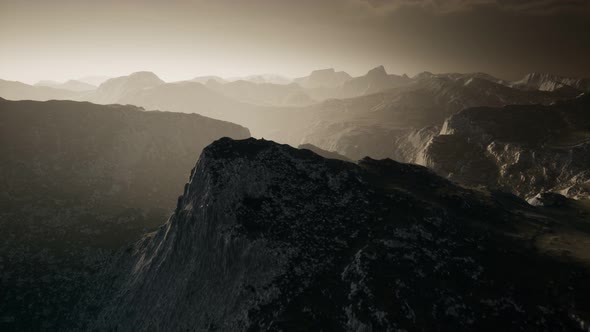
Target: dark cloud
[527,7]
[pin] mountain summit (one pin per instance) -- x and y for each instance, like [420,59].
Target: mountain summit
[268,237]
[114,89]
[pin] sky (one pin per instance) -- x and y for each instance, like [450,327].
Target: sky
[67,39]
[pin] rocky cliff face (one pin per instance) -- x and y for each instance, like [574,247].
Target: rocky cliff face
[394,123]
[267,237]
[523,149]
[549,82]
[78,181]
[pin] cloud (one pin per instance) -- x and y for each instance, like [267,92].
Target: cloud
[527,7]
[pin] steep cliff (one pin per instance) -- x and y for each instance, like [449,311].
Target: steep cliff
[523,149]
[268,237]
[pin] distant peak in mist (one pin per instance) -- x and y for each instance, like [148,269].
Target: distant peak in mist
[148,75]
[71,85]
[323,78]
[377,71]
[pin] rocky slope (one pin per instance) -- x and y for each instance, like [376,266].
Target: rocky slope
[78,181]
[268,237]
[523,149]
[549,82]
[396,123]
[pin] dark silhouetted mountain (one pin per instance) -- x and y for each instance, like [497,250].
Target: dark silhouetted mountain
[13,90]
[262,93]
[114,89]
[71,85]
[523,149]
[549,82]
[268,237]
[323,78]
[78,181]
[376,80]
[323,153]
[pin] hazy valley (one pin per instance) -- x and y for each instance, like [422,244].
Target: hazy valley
[357,165]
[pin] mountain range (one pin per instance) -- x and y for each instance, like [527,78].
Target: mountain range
[334,235]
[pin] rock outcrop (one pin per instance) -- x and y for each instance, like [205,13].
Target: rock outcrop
[268,237]
[522,149]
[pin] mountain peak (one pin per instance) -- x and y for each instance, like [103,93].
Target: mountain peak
[323,71]
[145,75]
[377,71]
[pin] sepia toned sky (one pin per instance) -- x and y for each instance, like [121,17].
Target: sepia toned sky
[64,39]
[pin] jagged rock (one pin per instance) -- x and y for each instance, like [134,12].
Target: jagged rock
[267,237]
[522,149]
[548,200]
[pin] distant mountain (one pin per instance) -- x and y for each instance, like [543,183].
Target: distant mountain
[323,78]
[376,80]
[398,122]
[79,181]
[188,97]
[262,93]
[114,89]
[548,82]
[20,91]
[95,80]
[206,79]
[522,149]
[270,238]
[71,85]
[264,78]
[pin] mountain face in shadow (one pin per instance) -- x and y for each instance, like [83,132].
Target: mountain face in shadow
[268,237]
[78,181]
[523,149]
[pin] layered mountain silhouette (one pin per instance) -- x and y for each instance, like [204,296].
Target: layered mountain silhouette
[262,93]
[523,149]
[397,122]
[323,78]
[78,182]
[13,90]
[206,79]
[115,89]
[71,85]
[268,237]
[376,80]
